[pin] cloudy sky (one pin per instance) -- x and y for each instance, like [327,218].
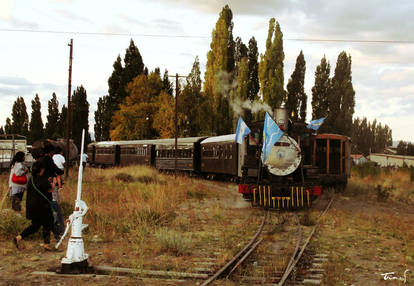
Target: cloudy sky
[170,34]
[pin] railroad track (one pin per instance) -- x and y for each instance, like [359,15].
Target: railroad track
[266,268]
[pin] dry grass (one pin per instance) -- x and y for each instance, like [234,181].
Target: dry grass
[369,229]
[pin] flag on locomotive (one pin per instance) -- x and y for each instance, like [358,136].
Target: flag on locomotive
[315,124]
[271,134]
[242,131]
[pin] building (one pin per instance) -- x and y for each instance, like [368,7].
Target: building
[390,160]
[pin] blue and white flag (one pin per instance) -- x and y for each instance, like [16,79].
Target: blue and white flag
[315,124]
[242,131]
[271,134]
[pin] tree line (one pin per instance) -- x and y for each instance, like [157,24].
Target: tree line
[238,81]
[56,119]
[370,137]
[405,148]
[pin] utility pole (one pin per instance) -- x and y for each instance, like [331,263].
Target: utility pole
[176,121]
[68,116]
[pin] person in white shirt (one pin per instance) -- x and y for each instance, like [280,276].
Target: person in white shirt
[84,159]
[60,162]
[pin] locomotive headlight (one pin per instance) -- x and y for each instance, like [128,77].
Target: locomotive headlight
[284,158]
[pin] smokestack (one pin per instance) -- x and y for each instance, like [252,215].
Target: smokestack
[280,116]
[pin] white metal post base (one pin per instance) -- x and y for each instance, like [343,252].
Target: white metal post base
[75,251]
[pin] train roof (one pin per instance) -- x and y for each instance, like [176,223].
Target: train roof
[168,141]
[221,138]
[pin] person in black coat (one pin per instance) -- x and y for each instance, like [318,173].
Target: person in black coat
[38,205]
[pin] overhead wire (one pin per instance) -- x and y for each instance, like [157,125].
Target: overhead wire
[202,37]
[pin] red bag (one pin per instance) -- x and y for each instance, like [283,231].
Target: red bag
[20,180]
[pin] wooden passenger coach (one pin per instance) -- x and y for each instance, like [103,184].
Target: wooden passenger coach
[219,156]
[188,150]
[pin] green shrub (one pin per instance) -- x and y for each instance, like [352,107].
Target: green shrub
[367,169]
[11,223]
[123,177]
[173,242]
[383,193]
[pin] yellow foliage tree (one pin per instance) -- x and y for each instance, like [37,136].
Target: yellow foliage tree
[134,119]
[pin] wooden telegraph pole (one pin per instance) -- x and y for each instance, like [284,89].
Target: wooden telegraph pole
[176,120]
[68,115]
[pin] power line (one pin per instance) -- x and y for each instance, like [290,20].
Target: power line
[203,37]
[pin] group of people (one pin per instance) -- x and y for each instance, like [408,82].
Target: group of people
[43,187]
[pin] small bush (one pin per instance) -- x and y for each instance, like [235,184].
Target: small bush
[383,193]
[173,242]
[367,169]
[126,178]
[412,174]
[148,179]
[11,223]
[306,219]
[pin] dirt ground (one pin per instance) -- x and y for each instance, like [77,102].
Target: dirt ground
[366,240]
[17,266]
[363,237]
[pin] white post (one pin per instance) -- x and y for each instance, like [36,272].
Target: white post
[75,253]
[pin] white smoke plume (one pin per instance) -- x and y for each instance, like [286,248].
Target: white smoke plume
[239,106]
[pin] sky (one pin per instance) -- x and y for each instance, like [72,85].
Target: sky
[378,35]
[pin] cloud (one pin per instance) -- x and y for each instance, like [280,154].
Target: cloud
[71,16]
[6,10]
[6,14]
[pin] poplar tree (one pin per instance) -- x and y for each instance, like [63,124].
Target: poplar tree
[62,123]
[20,119]
[51,129]
[239,53]
[342,100]
[2,130]
[296,96]
[271,67]
[121,76]
[321,92]
[192,104]
[102,119]
[8,129]
[219,73]
[253,86]
[80,117]
[36,123]
[166,83]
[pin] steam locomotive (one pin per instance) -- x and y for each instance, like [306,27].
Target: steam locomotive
[298,167]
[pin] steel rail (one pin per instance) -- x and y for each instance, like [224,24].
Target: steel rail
[238,255]
[293,264]
[298,241]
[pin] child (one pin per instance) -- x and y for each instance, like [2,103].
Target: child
[38,205]
[17,189]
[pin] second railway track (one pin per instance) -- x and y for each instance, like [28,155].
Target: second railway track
[270,259]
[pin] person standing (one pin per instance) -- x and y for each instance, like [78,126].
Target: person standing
[84,159]
[59,160]
[17,180]
[38,205]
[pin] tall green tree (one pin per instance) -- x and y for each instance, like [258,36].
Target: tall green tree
[102,119]
[20,119]
[8,129]
[117,85]
[192,104]
[321,92]
[51,129]
[167,86]
[296,96]
[36,123]
[253,85]
[219,73]
[62,122]
[2,132]
[271,67]
[80,117]
[239,53]
[342,100]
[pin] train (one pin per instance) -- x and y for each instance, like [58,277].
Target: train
[300,166]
